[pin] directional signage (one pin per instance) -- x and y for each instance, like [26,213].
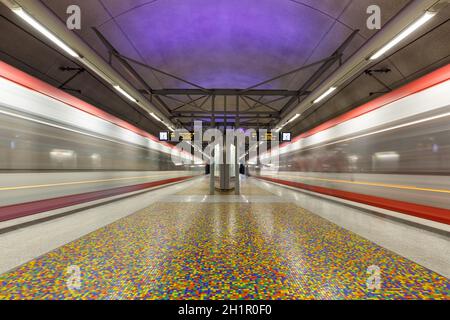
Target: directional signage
[182,136]
[286,137]
[164,136]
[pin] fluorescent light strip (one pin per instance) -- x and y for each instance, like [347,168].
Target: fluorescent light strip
[325,94]
[294,117]
[36,25]
[100,73]
[125,94]
[155,116]
[160,120]
[405,33]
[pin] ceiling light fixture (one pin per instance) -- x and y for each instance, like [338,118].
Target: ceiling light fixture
[156,117]
[405,33]
[39,27]
[325,94]
[294,117]
[97,71]
[125,94]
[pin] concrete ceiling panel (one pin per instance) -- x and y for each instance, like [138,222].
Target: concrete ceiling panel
[38,58]
[390,78]
[327,46]
[92,12]
[104,97]
[355,16]
[420,54]
[92,15]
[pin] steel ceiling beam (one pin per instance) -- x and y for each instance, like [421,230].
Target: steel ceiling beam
[245,94]
[164,73]
[229,113]
[224,92]
[286,74]
[129,69]
[191,102]
[258,104]
[206,124]
[227,117]
[336,56]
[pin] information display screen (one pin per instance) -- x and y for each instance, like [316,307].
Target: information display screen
[286,137]
[269,136]
[182,136]
[163,136]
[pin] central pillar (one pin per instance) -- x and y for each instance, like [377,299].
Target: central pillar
[237,181]
[212,166]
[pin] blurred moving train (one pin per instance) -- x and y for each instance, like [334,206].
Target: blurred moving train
[57,151]
[395,147]
[55,145]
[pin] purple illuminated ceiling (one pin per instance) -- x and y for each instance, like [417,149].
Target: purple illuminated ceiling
[224,43]
[231,44]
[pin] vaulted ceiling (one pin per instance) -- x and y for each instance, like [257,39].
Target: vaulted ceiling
[224,44]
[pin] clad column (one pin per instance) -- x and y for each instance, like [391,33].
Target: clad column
[237,183]
[212,164]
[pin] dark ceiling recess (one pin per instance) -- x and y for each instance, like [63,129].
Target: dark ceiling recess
[76,73]
[373,73]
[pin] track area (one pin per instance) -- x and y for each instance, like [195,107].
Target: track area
[426,189]
[25,187]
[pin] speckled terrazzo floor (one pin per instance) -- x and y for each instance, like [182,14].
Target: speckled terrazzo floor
[246,189]
[222,251]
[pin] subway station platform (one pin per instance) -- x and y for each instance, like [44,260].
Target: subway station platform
[260,245]
[225,150]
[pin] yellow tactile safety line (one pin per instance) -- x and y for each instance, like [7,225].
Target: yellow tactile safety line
[374,184]
[72,183]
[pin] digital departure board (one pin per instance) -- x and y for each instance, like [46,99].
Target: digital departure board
[182,136]
[286,137]
[269,136]
[164,136]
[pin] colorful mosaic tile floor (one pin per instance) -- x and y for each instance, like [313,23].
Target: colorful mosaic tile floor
[222,251]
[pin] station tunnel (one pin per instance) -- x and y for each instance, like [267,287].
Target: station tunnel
[255,150]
